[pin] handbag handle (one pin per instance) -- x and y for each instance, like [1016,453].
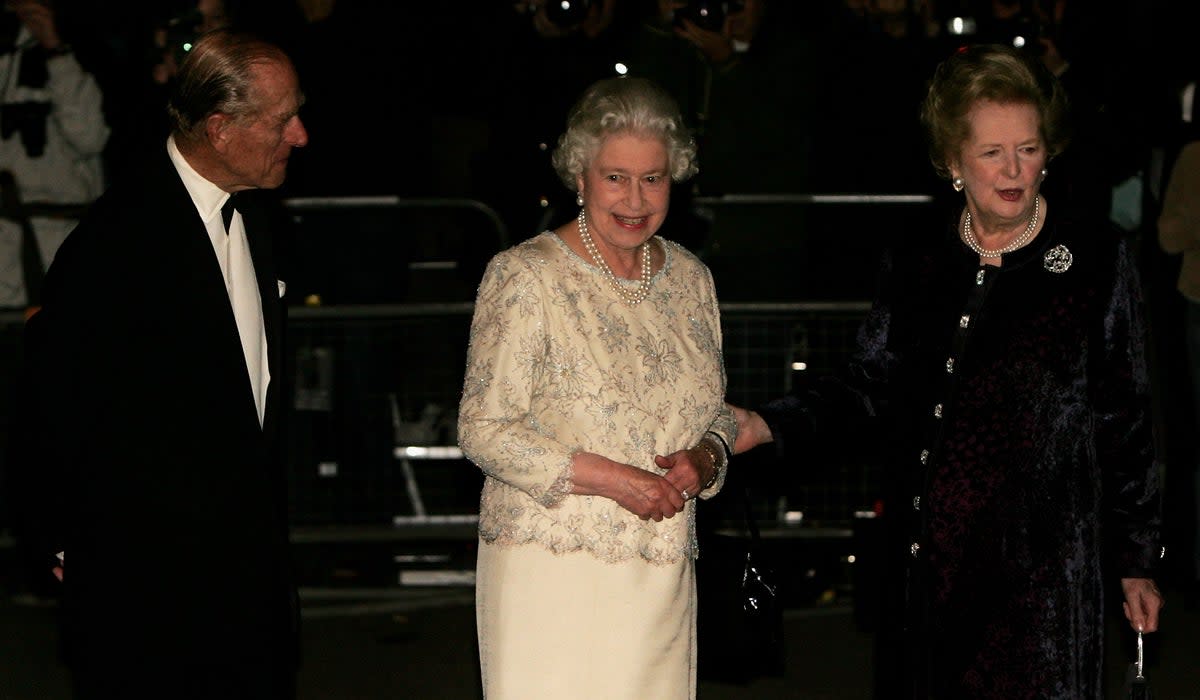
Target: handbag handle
[1139,657]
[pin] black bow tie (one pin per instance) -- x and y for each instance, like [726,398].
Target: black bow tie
[227,210]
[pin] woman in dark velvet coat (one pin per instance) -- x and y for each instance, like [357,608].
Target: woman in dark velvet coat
[1006,354]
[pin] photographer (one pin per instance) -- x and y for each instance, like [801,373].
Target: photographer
[1104,171]
[51,137]
[742,72]
[720,30]
[554,20]
[516,69]
[179,31]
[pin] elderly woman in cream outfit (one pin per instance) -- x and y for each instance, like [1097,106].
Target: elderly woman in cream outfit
[593,402]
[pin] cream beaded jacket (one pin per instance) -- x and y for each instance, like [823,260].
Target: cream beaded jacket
[557,364]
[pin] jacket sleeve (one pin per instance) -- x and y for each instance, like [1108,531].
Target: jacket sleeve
[510,351]
[856,394]
[724,425]
[1123,429]
[54,431]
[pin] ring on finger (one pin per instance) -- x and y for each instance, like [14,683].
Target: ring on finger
[685,494]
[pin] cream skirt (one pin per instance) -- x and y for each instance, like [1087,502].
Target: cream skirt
[571,627]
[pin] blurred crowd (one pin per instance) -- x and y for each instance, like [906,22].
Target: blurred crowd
[465,99]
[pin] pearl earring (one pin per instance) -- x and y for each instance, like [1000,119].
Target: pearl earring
[958,184]
[1044,173]
[579,199]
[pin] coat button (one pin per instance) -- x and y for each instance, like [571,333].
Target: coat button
[915,548]
[937,411]
[964,321]
[924,456]
[950,366]
[916,503]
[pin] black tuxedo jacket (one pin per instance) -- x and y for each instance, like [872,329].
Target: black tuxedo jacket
[154,474]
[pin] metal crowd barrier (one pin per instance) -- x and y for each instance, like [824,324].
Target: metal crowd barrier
[380,493]
[372,250]
[750,199]
[373,381]
[380,308]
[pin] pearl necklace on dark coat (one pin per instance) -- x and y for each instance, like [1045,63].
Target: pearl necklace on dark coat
[968,236]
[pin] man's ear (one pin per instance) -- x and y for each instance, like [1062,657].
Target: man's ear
[216,128]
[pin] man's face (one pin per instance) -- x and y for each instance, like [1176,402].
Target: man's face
[258,146]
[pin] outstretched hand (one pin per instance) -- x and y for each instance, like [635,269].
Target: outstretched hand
[752,430]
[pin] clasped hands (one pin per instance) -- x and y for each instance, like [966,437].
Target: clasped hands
[644,493]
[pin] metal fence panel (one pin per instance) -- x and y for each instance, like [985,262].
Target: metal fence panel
[370,378]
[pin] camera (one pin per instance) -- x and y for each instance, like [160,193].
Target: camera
[28,118]
[707,14]
[1021,31]
[567,13]
[182,31]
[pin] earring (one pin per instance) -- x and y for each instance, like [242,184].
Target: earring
[579,199]
[958,184]
[1044,173]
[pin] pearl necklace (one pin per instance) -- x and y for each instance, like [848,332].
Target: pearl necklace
[631,298]
[968,235]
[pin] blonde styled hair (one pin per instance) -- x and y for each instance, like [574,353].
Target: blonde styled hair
[992,73]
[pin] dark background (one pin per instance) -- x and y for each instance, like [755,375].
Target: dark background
[442,101]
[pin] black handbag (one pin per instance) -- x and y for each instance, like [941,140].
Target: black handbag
[1136,685]
[740,618]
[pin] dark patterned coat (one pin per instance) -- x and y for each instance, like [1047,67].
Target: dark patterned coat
[1022,482]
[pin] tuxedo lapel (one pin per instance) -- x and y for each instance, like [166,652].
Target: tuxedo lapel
[258,235]
[188,254]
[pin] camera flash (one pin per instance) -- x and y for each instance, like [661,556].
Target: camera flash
[960,26]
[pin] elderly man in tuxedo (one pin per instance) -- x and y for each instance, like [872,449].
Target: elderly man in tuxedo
[156,375]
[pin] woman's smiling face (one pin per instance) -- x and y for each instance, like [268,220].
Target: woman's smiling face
[626,190]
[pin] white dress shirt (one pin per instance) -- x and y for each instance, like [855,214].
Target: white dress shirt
[237,268]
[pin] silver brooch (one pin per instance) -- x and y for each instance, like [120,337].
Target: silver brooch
[1058,259]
